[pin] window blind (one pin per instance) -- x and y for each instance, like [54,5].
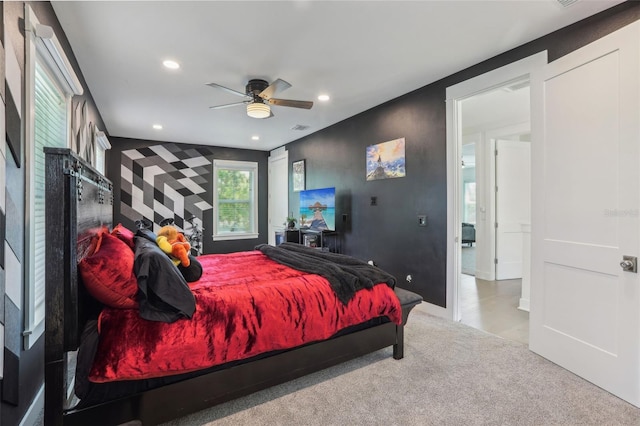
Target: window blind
[50,129]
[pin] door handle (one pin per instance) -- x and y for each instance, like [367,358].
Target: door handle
[629,264]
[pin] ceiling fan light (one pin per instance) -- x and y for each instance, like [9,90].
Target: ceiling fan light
[258,110]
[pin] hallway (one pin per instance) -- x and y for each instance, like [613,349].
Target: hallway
[492,306]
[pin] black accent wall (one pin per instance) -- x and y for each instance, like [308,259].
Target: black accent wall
[388,233]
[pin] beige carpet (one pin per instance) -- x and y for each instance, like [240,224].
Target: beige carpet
[452,374]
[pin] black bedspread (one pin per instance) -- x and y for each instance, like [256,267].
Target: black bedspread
[345,274]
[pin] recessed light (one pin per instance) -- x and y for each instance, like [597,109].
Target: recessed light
[255,137]
[172,65]
[157,126]
[323,97]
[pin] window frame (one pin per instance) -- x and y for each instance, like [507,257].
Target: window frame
[252,167]
[102,145]
[42,46]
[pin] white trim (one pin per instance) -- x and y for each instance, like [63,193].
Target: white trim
[53,56]
[488,138]
[102,140]
[454,96]
[33,412]
[228,237]
[101,146]
[52,52]
[276,192]
[436,310]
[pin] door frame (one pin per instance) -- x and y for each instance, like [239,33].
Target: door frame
[486,159]
[454,96]
[276,192]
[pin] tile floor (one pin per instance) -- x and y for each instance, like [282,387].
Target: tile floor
[492,306]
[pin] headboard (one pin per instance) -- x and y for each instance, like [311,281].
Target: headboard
[78,200]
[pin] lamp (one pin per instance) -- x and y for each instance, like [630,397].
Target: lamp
[258,110]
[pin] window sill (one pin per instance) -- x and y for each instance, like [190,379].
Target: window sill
[227,237]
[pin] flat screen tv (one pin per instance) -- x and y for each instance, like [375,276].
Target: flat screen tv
[318,209]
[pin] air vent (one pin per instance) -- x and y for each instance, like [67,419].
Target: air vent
[517,86]
[300,127]
[566,3]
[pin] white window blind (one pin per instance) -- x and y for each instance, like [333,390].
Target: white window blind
[50,129]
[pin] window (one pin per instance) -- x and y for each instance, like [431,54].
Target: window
[50,83]
[235,200]
[102,145]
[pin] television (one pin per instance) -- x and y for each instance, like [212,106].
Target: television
[318,209]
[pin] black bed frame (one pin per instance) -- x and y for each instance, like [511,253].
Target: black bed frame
[79,199]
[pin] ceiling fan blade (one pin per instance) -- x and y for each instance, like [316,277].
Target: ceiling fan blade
[277,86]
[228,105]
[226,89]
[291,103]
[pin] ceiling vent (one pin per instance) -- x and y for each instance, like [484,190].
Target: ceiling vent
[566,3]
[300,127]
[517,86]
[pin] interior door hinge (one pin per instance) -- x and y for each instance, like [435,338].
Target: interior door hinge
[496,224]
[495,261]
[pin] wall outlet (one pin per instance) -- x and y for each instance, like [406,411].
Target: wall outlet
[409,278]
[422,220]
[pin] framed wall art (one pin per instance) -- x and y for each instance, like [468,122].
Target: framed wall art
[386,160]
[298,176]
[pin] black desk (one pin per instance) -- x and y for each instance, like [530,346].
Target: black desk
[324,240]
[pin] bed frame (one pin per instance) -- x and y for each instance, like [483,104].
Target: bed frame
[79,199]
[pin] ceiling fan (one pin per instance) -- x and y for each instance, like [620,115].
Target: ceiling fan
[258,96]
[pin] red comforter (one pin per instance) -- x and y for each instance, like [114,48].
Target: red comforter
[246,304]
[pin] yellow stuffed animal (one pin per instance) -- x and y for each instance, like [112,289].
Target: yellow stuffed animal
[174,244]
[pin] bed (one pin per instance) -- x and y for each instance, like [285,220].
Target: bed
[121,382]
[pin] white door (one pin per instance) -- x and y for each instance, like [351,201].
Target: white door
[585,310]
[278,193]
[513,205]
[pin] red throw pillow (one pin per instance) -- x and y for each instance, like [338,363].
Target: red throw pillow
[124,234]
[108,274]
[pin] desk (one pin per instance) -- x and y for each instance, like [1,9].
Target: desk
[324,240]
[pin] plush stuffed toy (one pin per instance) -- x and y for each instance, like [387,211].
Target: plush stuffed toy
[174,244]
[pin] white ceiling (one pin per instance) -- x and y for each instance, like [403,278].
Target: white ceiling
[362,53]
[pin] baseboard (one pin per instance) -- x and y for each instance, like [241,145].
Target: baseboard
[484,275]
[35,409]
[524,305]
[436,310]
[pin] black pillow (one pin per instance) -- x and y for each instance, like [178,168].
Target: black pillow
[163,293]
[193,272]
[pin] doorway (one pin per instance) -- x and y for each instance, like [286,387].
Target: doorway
[278,192]
[473,114]
[495,169]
